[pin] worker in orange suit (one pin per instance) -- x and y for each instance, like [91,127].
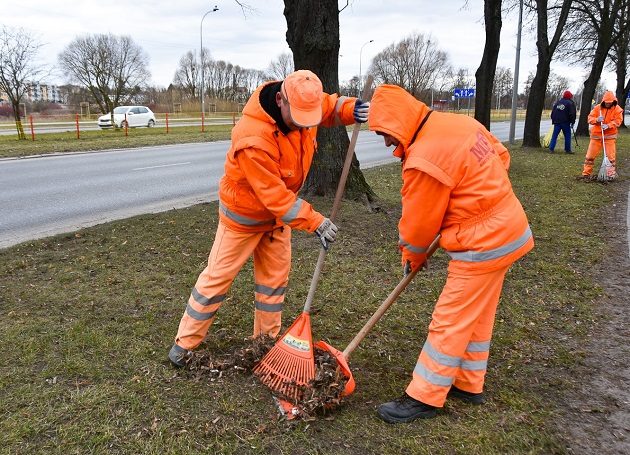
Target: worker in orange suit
[456,184]
[269,158]
[606,117]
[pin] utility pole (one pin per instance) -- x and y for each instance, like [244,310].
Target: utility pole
[216,8]
[516,64]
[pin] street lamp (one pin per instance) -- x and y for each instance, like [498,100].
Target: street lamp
[216,8]
[360,60]
[516,65]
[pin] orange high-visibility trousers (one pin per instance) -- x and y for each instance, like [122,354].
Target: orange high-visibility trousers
[457,346]
[230,251]
[594,149]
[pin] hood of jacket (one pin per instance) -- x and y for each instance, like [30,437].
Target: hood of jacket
[396,112]
[609,97]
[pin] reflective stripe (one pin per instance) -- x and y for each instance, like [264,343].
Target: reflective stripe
[198,315]
[479,256]
[240,219]
[205,301]
[293,211]
[268,307]
[478,346]
[474,365]
[340,101]
[410,247]
[442,359]
[432,377]
[266,290]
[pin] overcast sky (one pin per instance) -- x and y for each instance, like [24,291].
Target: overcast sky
[168,29]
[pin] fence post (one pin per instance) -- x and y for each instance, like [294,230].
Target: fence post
[30,117]
[126,126]
[202,125]
[167,123]
[77,120]
[233,119]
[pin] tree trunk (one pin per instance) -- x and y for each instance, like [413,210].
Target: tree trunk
[590,85]
[313,36]
[535,105]
[18,121]
[485,73]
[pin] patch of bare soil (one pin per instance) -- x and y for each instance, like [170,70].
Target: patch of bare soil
[595,414]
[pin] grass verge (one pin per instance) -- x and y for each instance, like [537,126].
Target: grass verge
[88,318]
[65,142]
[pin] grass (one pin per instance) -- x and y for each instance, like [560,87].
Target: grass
[50,143]
[88,318]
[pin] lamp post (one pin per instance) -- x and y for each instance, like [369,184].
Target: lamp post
[360,60]
[216,8]
[516,65]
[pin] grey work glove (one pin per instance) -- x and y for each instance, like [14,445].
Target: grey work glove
[327,232]
[600,119]
[604,126]
[361,111]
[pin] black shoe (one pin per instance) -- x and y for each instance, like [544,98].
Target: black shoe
[469,397]
[405,409]
[569,152]
[550,151]
[178,356]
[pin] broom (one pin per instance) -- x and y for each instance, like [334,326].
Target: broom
[603,176]
[289,365]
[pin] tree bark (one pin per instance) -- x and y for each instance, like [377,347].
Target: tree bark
[18,121]
[313,36]
[546,49]
[485,73]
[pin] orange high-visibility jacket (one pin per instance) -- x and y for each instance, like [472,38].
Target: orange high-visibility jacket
[455,182]
[613,117]
[265,169]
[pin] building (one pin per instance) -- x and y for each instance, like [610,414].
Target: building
[36,91]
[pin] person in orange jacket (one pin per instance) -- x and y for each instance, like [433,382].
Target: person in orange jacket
[606,117]
[456,184]
[270,155]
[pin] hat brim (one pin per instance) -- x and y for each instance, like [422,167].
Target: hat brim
[305,118]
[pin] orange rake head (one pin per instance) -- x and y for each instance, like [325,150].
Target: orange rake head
[289,365]
[342,364]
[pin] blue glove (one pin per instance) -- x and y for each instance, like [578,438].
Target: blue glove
[361,111]
[600,119]
[406,268]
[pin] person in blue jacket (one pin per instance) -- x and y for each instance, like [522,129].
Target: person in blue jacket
[563,117]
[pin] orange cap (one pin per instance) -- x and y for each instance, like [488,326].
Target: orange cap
[303,90]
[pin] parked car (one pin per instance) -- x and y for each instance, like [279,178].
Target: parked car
[133,115]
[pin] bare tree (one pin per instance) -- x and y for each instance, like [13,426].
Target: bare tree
[620,56]
[503,82]
[487,68]
[18,51]
[415,64]
[187,74]
[112,68]
[313,36]
[281,67]
[557,12]
[596,27]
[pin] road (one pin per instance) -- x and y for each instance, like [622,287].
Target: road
[48,195]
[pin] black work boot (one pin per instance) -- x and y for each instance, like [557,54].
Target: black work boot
[178,356]
[469,397]
[405,409]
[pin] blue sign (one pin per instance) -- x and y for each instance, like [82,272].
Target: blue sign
[464,93]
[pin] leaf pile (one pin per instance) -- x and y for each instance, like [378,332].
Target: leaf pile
[242,359]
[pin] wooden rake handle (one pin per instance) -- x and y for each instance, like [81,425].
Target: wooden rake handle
[338,195]
[378,314]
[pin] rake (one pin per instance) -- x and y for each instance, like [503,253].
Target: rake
[289,365]
[603,176]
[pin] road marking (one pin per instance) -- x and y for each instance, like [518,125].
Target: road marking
[161,165]
[628,222]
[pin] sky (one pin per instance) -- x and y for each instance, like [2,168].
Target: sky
[166,30]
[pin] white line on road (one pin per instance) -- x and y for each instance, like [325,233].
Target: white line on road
[161,165]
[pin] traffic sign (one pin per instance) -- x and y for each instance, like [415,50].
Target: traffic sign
[464,92]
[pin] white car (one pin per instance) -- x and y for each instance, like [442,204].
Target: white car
[132,115]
